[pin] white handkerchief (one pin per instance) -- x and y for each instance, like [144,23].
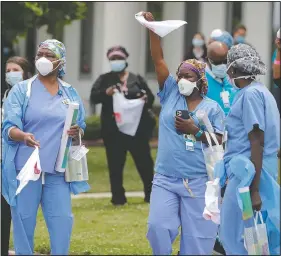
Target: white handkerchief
[161,28]
[30,171]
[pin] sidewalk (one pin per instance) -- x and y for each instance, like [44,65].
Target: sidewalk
[106,195]
[99,143]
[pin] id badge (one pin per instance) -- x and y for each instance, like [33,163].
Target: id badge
[189,142]
[225,99]
[79,153]
[189,146]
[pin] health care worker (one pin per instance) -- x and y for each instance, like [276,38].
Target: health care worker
[17,70]
[253,128]
[35,115]
[178,192]
[220,89]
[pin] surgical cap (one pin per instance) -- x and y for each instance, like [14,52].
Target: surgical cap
[246,59]
[117,51]
[58,49]
[222,36]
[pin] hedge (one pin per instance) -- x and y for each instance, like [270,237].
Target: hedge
[93,129]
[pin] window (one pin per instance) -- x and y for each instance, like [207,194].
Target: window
[233,15]
[86,41]
[156,8]
[192,19]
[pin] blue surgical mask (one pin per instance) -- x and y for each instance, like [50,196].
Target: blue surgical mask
[240,39]
[197,42]
[219,70]
[118,65]
[14,77]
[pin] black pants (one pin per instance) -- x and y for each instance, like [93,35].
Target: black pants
[116,147]
[5,226]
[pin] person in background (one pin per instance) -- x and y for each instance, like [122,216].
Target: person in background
[276,72]
[253,127]
[177,197]
[198,50]
[117,143]
[221,36]
[34,116]
[276,60]
[17,70]
[220,89]
[239,34]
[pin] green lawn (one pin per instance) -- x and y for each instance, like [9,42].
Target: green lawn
[100,228]
[99,176]
[98,172]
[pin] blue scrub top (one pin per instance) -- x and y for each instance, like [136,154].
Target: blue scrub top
[172,157]
[216,86]
[45,116]
[252,105]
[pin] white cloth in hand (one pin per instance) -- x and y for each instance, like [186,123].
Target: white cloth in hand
[30,171]
[161,28]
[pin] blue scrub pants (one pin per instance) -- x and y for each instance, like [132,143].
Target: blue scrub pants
[172,206]
[54,197]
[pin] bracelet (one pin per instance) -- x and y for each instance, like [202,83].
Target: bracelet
[276,62]
[199,133]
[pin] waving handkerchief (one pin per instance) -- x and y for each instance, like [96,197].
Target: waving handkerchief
[161,28]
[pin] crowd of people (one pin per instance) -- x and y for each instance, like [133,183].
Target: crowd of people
[218,77]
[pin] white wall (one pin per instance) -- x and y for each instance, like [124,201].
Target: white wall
[257,17]
[212,15]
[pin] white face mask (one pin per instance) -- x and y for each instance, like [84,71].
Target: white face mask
[186,87]
[118,65]
[13,77]
[240,77]
[45,66]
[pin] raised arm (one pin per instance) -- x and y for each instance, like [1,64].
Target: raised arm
[160,65]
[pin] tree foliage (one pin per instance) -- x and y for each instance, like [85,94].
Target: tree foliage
[18,17]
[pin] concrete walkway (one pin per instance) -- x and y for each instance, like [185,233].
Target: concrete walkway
[106,195]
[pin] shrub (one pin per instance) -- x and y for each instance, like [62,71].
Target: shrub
[93,129]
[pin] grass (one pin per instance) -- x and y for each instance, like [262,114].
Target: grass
[99,175]
[100,228]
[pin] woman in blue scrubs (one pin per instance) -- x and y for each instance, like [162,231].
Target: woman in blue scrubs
[17,69]
[178,192]
[253,132]
[35,113]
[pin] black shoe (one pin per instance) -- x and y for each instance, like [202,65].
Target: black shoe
[119,202]
[218,248]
